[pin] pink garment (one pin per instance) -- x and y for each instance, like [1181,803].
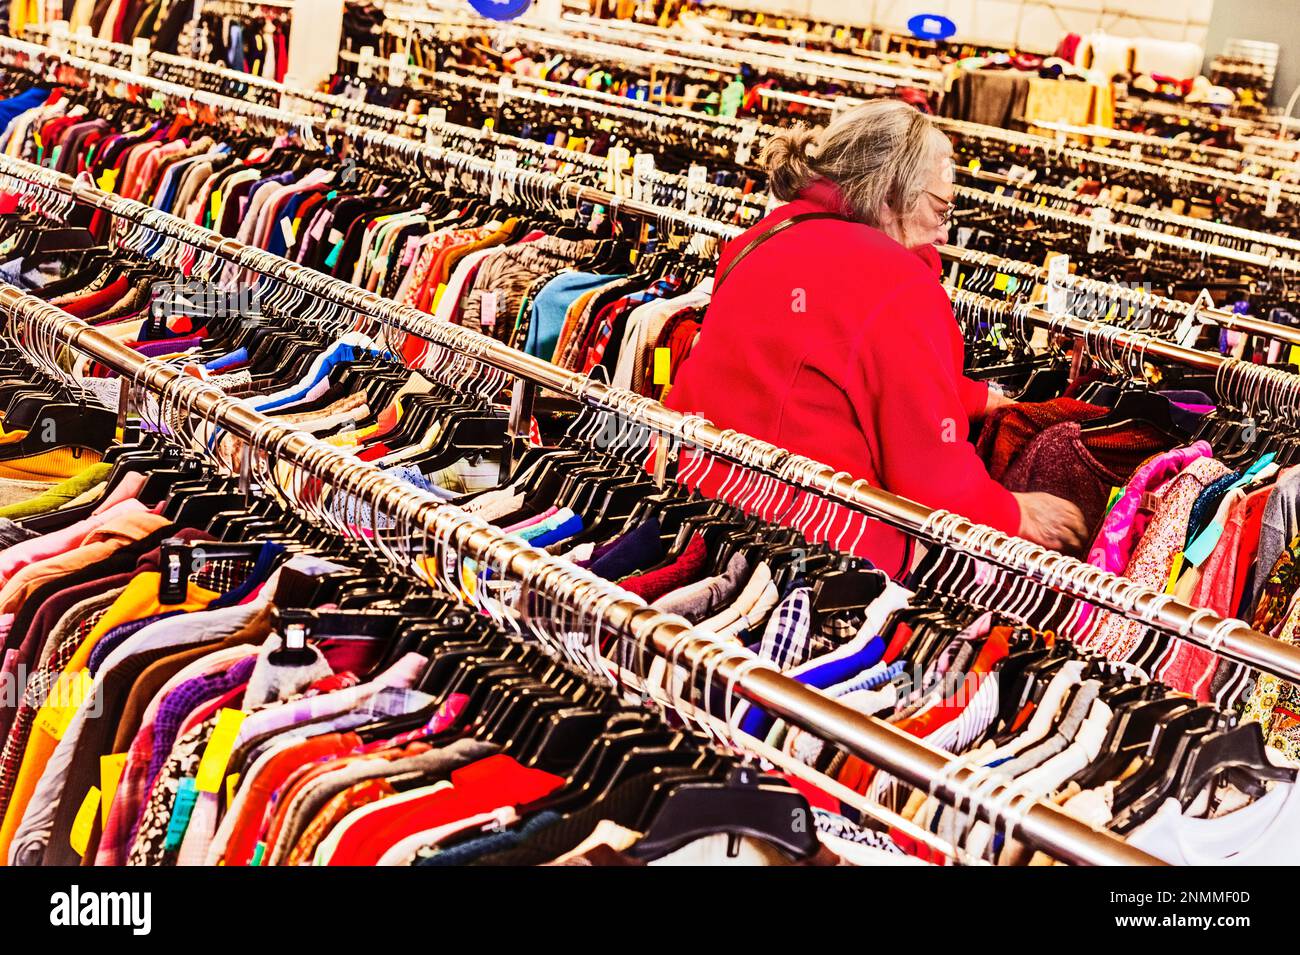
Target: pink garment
[1124,525]
[1117,636]
[513,528]
[127,489]
[15,558]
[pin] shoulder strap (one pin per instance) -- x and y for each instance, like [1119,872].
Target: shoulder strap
[767,234]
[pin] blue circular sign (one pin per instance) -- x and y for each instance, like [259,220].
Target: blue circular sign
[500,9]
[927,26]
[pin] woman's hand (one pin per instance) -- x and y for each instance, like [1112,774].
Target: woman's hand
[997,400]
[1051,521]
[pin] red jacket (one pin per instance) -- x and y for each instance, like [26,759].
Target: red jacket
[833,340]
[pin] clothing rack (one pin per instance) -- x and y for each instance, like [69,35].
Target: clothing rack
[449,532]
[1160,238]
[435,128]
[1232,638]
[1157,216]
[1130,295]
[1145,139]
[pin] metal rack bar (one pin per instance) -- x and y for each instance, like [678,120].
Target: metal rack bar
[1039,823]
[1217,316]
[1160,238]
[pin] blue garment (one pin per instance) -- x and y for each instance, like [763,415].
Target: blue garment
[236,357]
[552,305]
[117,636]
[757,723]
[636,550]
[277,244]
[27,99]
[466,852]
[267,559]
[562,532]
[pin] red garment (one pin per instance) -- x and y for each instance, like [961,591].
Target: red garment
[248,825]
[479,787]
[1010,429]
[684,570]
[88,305]
[834,341]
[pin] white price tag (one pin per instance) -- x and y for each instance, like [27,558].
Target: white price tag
[1189,328]
[504,86]
[1058,271]
[366,68]
[1097,236]
[286,229]
[436,117]
[1274,196]
[616,162]
[696,177]
[642,165]
[487,310]
[140,55]
[397,69]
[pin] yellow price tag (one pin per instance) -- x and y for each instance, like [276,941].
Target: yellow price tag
[232,787]
[973,165]
[108,180]
[110,774]
[84,822]
[212,767]
[663,366]
[61,705]
[1293,356]
[1000,281]
[1175,570]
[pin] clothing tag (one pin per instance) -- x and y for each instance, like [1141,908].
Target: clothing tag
[286,229]
[1058,271]
[663,366]
[366,66]
[110,774]
[8,244]
[973,165]
[212,767]
[1274,196]
[140,55]
[437,296]
[232,787]
[487,315]
[336,237]
[66,696]
[156,102]
[1097,235]
[1175,569]
[84,822]
[1000,281]
[1135,150]
[1189,326]
[397,69]
[1293,356]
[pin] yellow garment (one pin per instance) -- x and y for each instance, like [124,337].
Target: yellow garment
[56,465]
[137,601]
[1058,101]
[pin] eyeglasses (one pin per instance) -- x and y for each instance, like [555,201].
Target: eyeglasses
[949,206]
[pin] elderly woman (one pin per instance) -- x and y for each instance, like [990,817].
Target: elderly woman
[830,334]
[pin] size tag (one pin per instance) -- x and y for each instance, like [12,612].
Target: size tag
[487,310]
[84,822]
[110,774]
[212,766]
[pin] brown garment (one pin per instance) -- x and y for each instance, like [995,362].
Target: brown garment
[1009,429]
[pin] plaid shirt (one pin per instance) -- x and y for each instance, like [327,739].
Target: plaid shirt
[38,688]
[785,638]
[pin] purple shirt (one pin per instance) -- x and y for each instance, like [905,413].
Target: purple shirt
[184,700]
